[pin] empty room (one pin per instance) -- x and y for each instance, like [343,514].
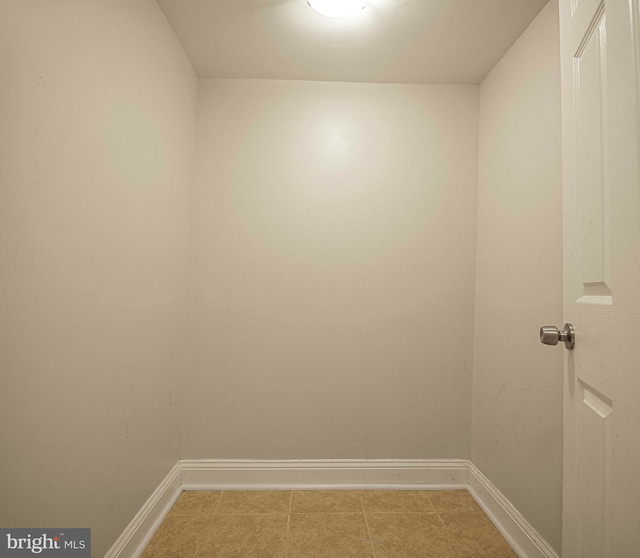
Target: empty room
[305,279]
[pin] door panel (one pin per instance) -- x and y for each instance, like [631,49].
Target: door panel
[590,75]
[595,444]
[601,188]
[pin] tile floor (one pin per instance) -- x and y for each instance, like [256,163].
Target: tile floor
[327,524]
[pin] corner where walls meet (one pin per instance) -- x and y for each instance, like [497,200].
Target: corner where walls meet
[517,393]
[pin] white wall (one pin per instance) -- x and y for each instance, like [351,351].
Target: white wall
[97,112]
[333,259]
[517,397]
[331,304]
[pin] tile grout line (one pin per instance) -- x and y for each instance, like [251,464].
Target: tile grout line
[213,516]
[438,514]
[453,507]
[209,525]
[287,551]
[446,530]
[364,514]
[215,510]
[212,519]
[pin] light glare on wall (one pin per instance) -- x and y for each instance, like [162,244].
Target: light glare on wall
[337,8]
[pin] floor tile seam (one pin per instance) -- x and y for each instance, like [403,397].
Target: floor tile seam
[450,535]
[245,514]
[441,520]
[452,538]
[396,512]
[370,537]
[366,523]
[210,524]
[287,538]
[433,507]
[219,501]
[325,512]
[207,529]
[474,513]
[352,512]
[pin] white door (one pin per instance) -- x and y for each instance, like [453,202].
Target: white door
[600,56]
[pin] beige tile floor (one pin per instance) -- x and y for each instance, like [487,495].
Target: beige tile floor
[327,524]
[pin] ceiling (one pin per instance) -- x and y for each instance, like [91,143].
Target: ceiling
[390,41]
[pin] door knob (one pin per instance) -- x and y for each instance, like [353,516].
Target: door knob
[550,335]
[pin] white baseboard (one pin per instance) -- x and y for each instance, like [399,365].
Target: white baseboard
[322,474]
[332,474]
[524,539]
[146,522]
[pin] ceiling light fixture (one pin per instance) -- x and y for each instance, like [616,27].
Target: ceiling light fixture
[337,8]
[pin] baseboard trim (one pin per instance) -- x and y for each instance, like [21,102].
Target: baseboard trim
[138,533]
[524,539]
[332,474]
[322,474]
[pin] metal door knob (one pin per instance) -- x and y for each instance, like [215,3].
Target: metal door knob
[551,335]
